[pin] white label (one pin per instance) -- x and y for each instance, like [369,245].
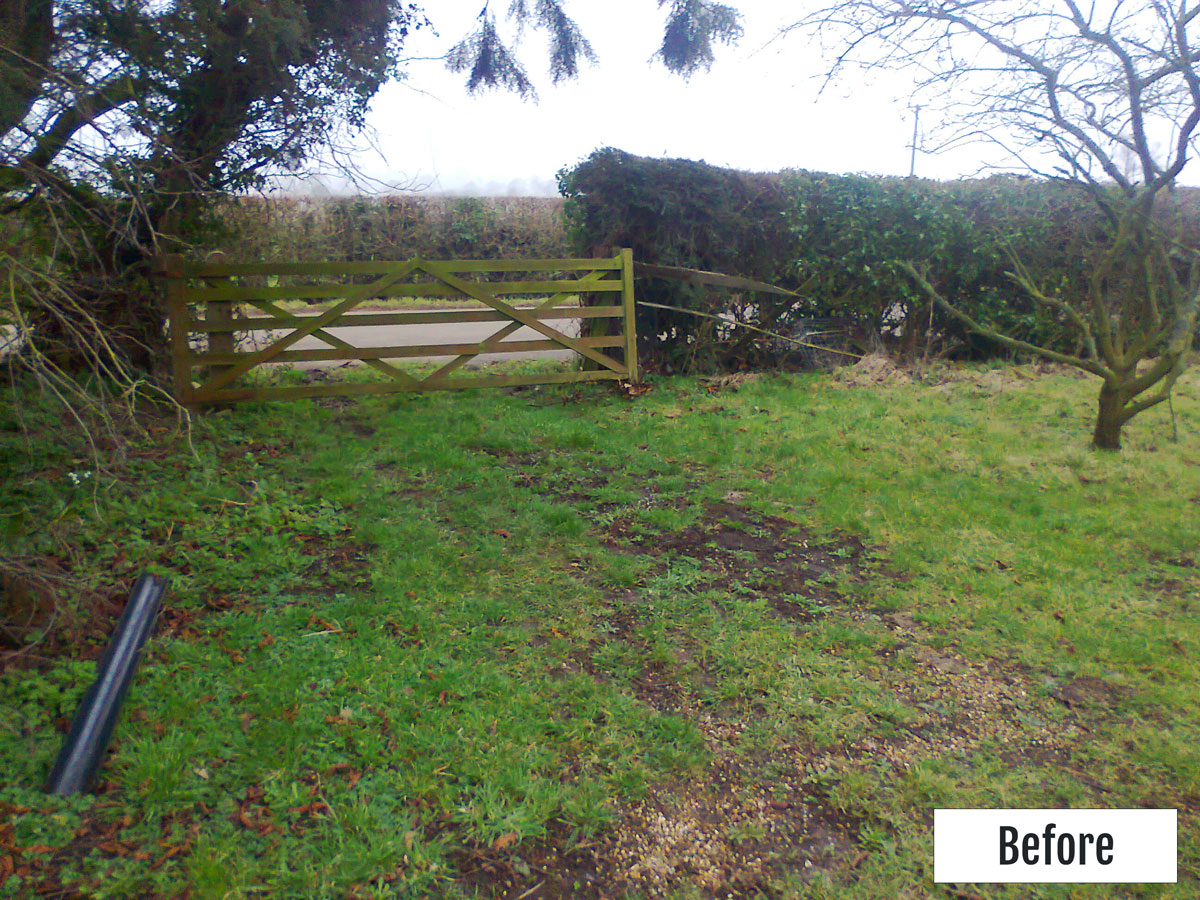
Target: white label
[993,846]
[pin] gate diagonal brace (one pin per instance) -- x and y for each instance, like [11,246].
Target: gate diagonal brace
[489,343]
[523,317]
[351,299]
[338,344]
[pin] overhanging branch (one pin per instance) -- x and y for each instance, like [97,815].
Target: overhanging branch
[1093,366]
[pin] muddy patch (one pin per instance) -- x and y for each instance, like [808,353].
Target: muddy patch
[728,830]
[721,834]
[727,833]
[657,683]
[338,563]
[1088,690]
[956,705]
[748,555]
[582,481]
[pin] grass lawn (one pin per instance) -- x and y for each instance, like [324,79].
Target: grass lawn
[714,641]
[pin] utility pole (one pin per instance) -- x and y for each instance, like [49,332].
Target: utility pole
[912,162]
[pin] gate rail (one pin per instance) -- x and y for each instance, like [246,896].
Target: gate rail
[208,362]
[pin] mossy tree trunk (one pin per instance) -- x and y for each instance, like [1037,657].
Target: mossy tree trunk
[1109,419]
[1142,311]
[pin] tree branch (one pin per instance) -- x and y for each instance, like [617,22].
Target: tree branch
[1023,279]
[84,111]
[1093,366]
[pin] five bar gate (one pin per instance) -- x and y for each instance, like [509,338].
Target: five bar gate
[209,359]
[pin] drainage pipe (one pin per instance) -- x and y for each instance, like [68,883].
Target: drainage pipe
[83,749]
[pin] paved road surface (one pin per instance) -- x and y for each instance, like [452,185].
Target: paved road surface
[458,333]
[395,335]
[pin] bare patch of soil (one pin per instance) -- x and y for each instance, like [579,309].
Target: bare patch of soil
[1090,690]
[721,834]
[725,831]
[555,867]
[957,704]
[581,484]
[338,563]
[750,555]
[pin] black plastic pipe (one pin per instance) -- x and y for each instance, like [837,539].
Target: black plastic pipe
[83,749]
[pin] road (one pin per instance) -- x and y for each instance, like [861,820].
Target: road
[390,336]
[419,335]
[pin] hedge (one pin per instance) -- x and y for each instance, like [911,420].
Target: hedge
[389,227]
[836,239]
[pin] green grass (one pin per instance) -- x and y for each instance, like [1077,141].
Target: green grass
[408,626]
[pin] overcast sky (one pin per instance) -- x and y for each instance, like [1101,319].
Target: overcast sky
[759,108]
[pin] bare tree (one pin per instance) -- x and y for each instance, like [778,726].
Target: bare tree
[1073,92]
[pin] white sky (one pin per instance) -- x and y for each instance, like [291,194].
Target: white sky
[759,108]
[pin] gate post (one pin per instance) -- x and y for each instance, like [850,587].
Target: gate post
[219,312]
[167,267]
[627,300]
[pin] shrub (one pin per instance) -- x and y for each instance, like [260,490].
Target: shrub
[395,227]
[836,239]
[682,213]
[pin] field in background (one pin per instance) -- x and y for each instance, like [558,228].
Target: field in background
[735,637]
[390,227]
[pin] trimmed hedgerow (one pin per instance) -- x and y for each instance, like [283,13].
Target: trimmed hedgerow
[391,227]
[681,213]
[836,240]
[851,231]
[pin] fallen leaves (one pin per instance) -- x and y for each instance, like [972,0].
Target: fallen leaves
[344,717]
[323,626]
[252,812]
[353,776]
[315,808]
[407,635]
[505,840]
[731,382]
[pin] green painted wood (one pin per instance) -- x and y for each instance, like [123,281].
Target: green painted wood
[380,267]
[345,346]
[218,324]
[630,323]
[177,315]
[219,312]
[420,317]
[504,332]
[244,293]
[307,328]
[406,351]
[524,318]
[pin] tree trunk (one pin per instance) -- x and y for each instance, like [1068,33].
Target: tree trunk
[1109,419]
[916,327]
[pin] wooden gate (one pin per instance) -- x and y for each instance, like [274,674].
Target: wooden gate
[212,343]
